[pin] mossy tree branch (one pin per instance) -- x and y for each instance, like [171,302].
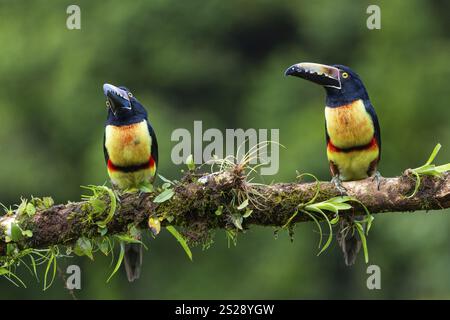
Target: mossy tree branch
[196,199]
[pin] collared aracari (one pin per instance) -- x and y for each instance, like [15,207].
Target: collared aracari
[131,154]
[352,132]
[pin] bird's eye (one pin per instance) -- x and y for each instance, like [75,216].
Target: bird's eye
[345,75]
[108,104]
[130,94]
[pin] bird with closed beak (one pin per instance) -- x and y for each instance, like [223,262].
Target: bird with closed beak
[131,154]
[352,134]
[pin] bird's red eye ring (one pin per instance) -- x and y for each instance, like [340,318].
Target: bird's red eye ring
[345,75]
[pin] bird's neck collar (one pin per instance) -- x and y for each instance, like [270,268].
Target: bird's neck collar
[117,121]
[336,98]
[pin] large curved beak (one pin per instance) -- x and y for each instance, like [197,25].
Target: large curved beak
[117,98]
[322,74]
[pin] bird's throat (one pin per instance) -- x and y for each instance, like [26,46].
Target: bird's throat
[349,126]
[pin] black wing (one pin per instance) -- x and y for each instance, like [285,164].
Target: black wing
[370,109]
[105,152]
[154,148]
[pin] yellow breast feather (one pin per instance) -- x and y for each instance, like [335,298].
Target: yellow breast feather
[128,145]
[355,164]
[124,180]
[350,125]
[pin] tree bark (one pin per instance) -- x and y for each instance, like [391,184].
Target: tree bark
[197,197]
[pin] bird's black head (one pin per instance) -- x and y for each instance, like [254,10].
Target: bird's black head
[341,83]
[123,107]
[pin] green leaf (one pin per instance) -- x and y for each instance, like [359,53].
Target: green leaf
[16,232]
[231,237]
[147,188]
[126,238]
[342,206]
[433,154]
[417,185]
[247,213]
[360,230]
[443,168]
[316,194]
[190,162]
[3,271]
[243,205]
[30,209]
[98,205]
[219,211]
[102,230]
[369,221]
[33,264]
[237,220]
[134,232]
[22,207]
[27,233]
[330,235]
[119,261]
[10,275]
[318,207]
[335,220]
[112,206]
[164,196]
[340,199]
[51,262]
[104,246]
[165,179]
[181,240]
[428,169]
[83,247]
[166,185]
[48,202]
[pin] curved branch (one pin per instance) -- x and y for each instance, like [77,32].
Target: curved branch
[197,197]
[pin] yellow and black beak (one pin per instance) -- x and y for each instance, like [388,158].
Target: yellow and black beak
[322,74]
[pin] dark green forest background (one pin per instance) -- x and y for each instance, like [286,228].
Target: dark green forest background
[222,62]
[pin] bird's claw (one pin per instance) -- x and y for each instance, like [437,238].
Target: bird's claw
[377,178]
[116,194]
[338,184]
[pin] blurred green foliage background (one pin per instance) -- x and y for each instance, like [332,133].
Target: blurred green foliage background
[222,62]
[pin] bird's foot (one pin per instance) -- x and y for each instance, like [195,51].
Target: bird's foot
[146,188]
[143,190]
[338,184]
[117,194]
[377,178]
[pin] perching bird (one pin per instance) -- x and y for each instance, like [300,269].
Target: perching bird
[131,154]
[352,133]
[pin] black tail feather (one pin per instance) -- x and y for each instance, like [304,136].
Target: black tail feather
[349,241]
[133,260]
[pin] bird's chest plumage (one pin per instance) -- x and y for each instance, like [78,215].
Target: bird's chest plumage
[129,144]
[352,147]
[349,126]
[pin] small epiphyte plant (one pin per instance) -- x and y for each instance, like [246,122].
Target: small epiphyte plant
[96,205]
[428,169]
[316,211]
